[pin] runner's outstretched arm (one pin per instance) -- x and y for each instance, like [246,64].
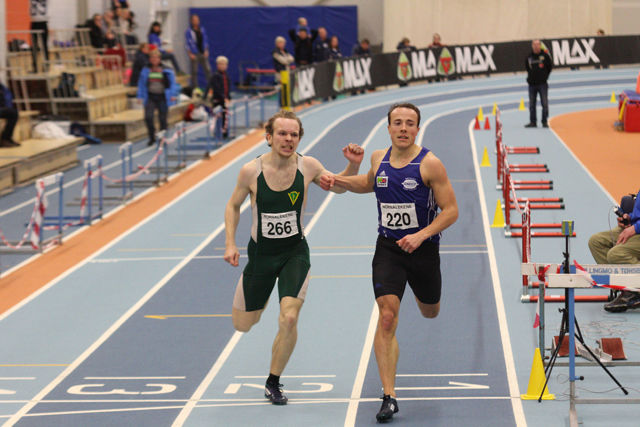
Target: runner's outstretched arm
[232,213]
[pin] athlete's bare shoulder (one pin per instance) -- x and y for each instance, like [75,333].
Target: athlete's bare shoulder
[248,173]
[312,166]
[432,168]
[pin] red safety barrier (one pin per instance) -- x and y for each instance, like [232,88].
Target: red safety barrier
[533,182]
[539,225]
[540,234]
[539,206]
[533,187]
[523,150]
[540,199]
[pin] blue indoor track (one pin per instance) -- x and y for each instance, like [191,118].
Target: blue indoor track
[140,333]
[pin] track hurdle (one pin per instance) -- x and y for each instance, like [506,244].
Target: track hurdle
[34,230]
[126,163]
[61,221]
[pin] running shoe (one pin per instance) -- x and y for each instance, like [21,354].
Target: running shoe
[623,302]
[545,124]
[273,392]
[388,408]
[531,125]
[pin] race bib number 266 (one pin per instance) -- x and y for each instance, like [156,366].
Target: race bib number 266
[280,225]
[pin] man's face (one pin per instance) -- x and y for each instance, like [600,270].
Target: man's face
[322,33]
[365,45]
[535,46]
[285,138]
[302,34]
[195,21]
[403,128]
[222,66]
[280,44]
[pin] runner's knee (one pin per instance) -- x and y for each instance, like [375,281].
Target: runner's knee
[388,319]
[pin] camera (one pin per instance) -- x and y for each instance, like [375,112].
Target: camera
[626,207]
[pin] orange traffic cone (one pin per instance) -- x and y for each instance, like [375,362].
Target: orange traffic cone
[477,125]
[487,125]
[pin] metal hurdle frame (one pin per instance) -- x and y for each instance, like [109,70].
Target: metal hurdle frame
[627,275]
[93,168]
[126,162]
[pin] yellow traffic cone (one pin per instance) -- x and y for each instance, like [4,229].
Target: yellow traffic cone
[536,381]
[495,108]
[498,216]
[613,97]
[480,115]
[521,107]
[485,159]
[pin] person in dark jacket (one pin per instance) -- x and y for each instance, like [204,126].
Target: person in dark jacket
[405,45]
[538,66]
[219,90]
[140,60]
[362,48]
[154,38]
[10,114]
[334,48]
[321,46]
[96,33]
[197,43]
[303,45]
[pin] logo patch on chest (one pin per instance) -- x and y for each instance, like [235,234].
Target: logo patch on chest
[382,181]
[409,184]
[293,196]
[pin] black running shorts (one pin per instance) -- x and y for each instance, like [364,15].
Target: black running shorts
[393,268]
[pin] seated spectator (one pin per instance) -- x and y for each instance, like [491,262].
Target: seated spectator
[197,44]
[321,46]
[154,38]
[96,33]
[219,91]
[436,41]
[281,58]
[140,60]
[334,48]
[128,25]
[157,89]
[405,45]
[363,48]
[303,45]
[110,40]
[10,114]
[109,21]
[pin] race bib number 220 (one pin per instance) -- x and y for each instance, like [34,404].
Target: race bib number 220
[280,225]
[398,216]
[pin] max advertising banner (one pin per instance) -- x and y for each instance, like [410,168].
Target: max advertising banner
[352,74]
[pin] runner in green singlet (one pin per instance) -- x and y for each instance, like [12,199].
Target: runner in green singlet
[277,183]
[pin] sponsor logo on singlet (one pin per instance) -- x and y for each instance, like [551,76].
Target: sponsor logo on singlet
[382,180]
[409,184]
[293,196]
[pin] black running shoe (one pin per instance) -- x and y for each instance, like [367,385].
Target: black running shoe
[545,124]
[274,394]
[388,408]
[623,302]
[531,125]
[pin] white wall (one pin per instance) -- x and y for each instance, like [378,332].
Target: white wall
[466,21]
[626,15]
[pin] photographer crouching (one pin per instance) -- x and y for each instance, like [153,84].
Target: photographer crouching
[621,246]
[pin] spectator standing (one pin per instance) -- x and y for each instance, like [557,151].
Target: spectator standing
[538,66]
[405,45]
[303,24]
[198,49]
[436,41]
[334,48]
[303,45]
[321,46]
[362,48]
[219,90]
[140,60]
[39,23]
[10,114]
[154,38]
[157,89]
[281,58]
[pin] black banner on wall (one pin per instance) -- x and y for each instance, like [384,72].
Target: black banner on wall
[357,73]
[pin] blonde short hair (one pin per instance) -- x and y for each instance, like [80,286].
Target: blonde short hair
[280,39]
[223,59]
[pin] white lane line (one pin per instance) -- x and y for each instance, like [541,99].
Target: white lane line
[283,376]
[358,383]
[441,375]
[16,378]
[135,378]
[512,378]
